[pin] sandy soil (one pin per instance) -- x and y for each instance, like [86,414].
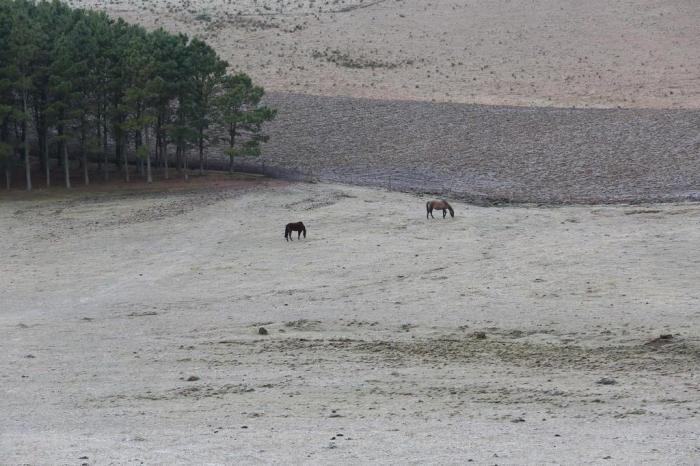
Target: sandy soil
[593,53]
[374,351]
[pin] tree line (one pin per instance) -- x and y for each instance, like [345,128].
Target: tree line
[78,88]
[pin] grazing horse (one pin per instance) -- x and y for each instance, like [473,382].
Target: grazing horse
[298,227]
[438,205]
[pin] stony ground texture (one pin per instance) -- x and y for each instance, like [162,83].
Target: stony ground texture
[130,324]
[594,53]
[489,153]
[410,71]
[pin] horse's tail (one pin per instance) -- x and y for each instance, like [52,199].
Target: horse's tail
[304,230]
[286,231]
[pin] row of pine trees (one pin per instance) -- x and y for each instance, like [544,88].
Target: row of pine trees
[79,90]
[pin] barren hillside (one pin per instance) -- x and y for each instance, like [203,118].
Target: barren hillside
[597,53]
[502,335]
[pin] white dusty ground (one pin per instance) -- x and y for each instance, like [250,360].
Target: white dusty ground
[592,53]
[110,302]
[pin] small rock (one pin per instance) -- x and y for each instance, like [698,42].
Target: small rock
[663,339]
[30,356]
[518,419]
[480,335]
[192,378]
[83,458]
[606,381]
[262,331]
[244,427]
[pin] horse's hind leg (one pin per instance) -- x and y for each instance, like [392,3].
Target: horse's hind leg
[444,213]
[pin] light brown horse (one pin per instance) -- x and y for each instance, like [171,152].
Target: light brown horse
[292,227]
[438,205]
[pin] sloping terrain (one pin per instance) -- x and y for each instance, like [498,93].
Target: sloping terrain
[593,53]
[487,153]
[382,93]
[130,331]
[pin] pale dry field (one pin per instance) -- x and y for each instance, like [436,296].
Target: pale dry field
[110,303]
[593,53]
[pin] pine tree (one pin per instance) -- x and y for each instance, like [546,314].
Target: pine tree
[239,110]
[206,71]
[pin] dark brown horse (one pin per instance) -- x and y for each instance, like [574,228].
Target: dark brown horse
[298,227]
[438,205]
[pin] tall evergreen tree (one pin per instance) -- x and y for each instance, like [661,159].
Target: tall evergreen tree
[239,110]
[23,48]
[76,82]
[206,71]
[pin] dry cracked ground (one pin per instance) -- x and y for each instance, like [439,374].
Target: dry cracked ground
[130,330]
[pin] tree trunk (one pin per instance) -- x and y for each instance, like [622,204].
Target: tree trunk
[104,146]
[86,175]
[47,161]
[178,157]
[84,158]
[41,140]
[201,155]
[99,133]
[126,161]
[232,143]
[27,166]
[117,148]
[166,169]
[7,178]
[66,164]
[149,178]
[105,166]
[184,163]
[156,159]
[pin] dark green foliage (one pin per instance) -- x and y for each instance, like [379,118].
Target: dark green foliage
[239,109]
[77,87]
